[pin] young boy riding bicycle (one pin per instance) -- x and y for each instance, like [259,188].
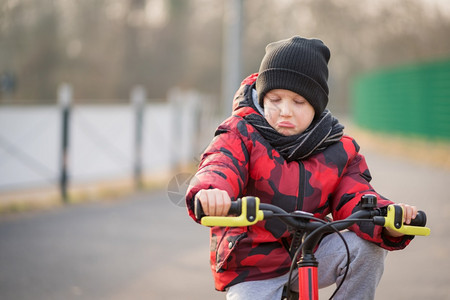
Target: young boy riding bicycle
[283,146]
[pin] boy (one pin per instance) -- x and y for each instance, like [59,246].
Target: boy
[283,146]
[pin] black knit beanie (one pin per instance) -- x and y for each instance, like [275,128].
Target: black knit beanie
[299,65]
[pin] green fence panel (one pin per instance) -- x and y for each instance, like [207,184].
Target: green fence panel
[413,99]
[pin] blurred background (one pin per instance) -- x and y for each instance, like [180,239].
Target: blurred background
[138,71]
[103,48]
[107,98]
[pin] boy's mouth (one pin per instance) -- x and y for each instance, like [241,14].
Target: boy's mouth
[286,124]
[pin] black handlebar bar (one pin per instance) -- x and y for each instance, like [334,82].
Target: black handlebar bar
[248,211]
[236,208]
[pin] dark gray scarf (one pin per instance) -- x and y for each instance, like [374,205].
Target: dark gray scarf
[323,132]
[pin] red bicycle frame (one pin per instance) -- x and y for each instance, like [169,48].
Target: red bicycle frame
[308,283]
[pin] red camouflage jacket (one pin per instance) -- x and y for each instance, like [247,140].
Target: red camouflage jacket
[240,161]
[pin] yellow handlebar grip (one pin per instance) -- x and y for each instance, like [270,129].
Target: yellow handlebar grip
[240,221]
[394,220]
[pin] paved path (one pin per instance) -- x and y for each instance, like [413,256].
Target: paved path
[145,247]
[421,270]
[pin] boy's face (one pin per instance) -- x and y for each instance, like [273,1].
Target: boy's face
[287,112]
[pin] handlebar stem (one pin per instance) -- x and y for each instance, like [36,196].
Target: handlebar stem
[316,232]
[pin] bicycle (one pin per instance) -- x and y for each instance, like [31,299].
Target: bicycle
[308,231]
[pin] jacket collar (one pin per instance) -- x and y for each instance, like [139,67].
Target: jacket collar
[245,100]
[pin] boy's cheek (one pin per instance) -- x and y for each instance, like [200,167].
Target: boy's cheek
[269,112]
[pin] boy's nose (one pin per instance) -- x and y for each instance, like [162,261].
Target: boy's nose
[285,109]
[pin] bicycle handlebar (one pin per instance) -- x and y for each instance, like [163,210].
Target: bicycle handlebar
[394,220]
[248,211]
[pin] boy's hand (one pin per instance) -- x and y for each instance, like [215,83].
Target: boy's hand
[214,202]
[409,213]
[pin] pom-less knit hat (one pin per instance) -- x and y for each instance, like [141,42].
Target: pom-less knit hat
[299,65]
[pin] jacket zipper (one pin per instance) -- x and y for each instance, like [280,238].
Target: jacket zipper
[301,185]
[297,236]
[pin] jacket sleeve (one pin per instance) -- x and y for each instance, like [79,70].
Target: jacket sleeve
[354,184]
[223,165]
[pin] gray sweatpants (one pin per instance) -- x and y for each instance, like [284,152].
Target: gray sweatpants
[366,269]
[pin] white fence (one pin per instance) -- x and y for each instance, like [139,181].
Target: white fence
[101,142]
[29,139]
